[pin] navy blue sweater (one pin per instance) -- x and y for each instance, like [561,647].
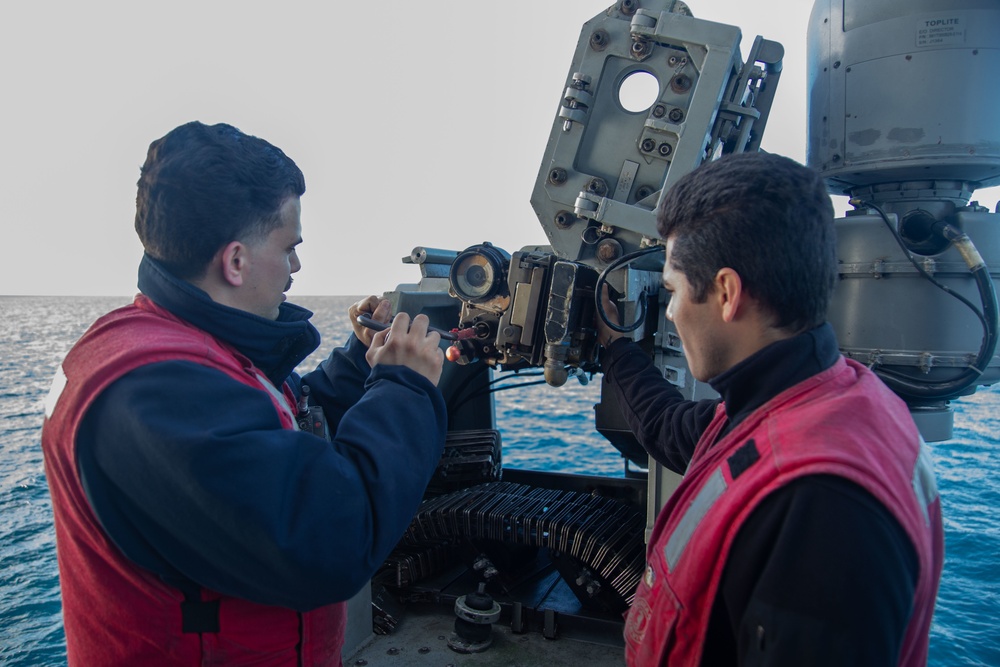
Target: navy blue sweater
[193,477]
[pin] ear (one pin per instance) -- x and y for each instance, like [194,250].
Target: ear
[234,263]
[728,292]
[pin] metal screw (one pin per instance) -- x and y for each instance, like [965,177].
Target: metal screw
[564,219]
[597,186]
[599,39]
[681,83]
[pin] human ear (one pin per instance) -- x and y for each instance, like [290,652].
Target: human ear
[729,292]
[234,263]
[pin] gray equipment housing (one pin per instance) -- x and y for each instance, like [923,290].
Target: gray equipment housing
[885,130]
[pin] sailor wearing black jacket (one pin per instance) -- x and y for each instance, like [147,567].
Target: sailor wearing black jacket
[820,572]
[195,523]
[806,530]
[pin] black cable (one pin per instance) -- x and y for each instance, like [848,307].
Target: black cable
[490,389]
[920,269]
[906,385]
[514,374]
[603,277]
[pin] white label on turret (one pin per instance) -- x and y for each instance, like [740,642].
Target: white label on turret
[948,31]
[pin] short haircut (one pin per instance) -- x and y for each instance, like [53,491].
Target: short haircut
[203,186]
[768,218]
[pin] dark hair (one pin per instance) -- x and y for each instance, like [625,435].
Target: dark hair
[768,218]
[203,186]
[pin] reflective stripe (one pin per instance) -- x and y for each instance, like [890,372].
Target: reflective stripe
[280,397]
[924,484]
[55,391]
[696,511]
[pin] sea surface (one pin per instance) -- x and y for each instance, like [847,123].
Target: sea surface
[542,428]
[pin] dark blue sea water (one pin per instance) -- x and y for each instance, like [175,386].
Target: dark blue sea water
[543,428]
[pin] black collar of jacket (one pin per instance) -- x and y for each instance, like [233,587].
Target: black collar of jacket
[765,374]
[276,347]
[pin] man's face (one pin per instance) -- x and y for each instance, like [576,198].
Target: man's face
[271,263]
[698,324]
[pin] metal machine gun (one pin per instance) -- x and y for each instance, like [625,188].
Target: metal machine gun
[651,94]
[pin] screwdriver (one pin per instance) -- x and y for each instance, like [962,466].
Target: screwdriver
[367,321]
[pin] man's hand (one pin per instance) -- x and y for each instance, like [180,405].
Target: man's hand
[376,308]
[605,335]
[408,344]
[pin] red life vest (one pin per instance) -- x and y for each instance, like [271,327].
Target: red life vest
[116,613]
[844,422]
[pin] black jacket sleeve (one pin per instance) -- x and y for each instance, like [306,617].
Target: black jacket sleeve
[667,426]
[192,475]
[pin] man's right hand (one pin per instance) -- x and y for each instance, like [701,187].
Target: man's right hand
[407,343]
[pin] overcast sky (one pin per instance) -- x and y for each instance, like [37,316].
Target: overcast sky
[415,123]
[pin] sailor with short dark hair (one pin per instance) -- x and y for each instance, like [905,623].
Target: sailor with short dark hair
[196,524]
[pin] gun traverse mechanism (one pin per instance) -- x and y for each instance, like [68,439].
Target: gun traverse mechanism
[915,301]
[609,159]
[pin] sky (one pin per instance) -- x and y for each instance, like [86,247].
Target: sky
[415,123]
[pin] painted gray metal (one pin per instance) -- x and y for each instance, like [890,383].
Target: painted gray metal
[904,91]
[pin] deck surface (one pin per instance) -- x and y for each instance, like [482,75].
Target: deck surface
[421,640]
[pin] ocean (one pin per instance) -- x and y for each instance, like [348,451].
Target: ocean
[542,428]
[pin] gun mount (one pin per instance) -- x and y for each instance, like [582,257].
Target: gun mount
[916,298]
